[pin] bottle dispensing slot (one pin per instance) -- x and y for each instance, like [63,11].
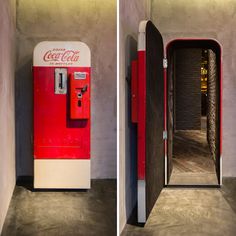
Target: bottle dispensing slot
[60,81]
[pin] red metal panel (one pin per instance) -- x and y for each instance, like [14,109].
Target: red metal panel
[165,111]
[134,91]
[80,95]
[221,102]
[56,136]
[141,114]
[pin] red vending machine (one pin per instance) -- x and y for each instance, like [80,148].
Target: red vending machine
[61,77]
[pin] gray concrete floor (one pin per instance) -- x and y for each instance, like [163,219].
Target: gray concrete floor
[49,213]
[191,211]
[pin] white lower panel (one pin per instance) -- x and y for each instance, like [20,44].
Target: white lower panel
[166,171]
[141,201]
[60,174]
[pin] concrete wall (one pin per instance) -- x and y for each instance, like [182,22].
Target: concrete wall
[7,122]
[131,13]
[93,22]
[207,19]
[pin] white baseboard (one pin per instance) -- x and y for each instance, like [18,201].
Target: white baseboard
[141,201]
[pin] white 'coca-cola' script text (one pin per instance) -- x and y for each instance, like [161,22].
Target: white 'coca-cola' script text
[61,55]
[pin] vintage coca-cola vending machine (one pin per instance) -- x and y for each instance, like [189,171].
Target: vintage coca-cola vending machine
[61,78]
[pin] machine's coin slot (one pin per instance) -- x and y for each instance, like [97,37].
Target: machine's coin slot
[79,103]
[60,78]
[61,81]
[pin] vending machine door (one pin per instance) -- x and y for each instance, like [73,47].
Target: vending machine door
[150,117]
[79,96]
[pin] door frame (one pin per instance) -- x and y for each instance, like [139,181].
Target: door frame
[203,41]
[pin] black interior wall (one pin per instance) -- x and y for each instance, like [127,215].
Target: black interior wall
[154,116]
[170,112]
[130,130]
[187,88]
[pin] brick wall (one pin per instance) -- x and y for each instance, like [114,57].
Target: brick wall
[187,89]
[212,105]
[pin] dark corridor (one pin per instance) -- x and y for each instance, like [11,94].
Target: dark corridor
[193,113]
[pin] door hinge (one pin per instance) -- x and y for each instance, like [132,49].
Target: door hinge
[164,135]
[165,63]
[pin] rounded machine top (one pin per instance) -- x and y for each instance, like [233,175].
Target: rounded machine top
[62,54]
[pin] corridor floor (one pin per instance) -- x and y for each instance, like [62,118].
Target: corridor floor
[190,212]
[192,161]
[57,213]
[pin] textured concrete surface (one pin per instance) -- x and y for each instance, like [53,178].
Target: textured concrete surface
[93,22]
[7,115]
[131,13]
[191,212]
[91,212]
[207,19]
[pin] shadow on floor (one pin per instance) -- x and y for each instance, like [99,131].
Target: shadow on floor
[229,191]
[59,213]
[133,218]
[28,183]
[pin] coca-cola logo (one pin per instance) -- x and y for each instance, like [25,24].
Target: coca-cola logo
[61,55]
